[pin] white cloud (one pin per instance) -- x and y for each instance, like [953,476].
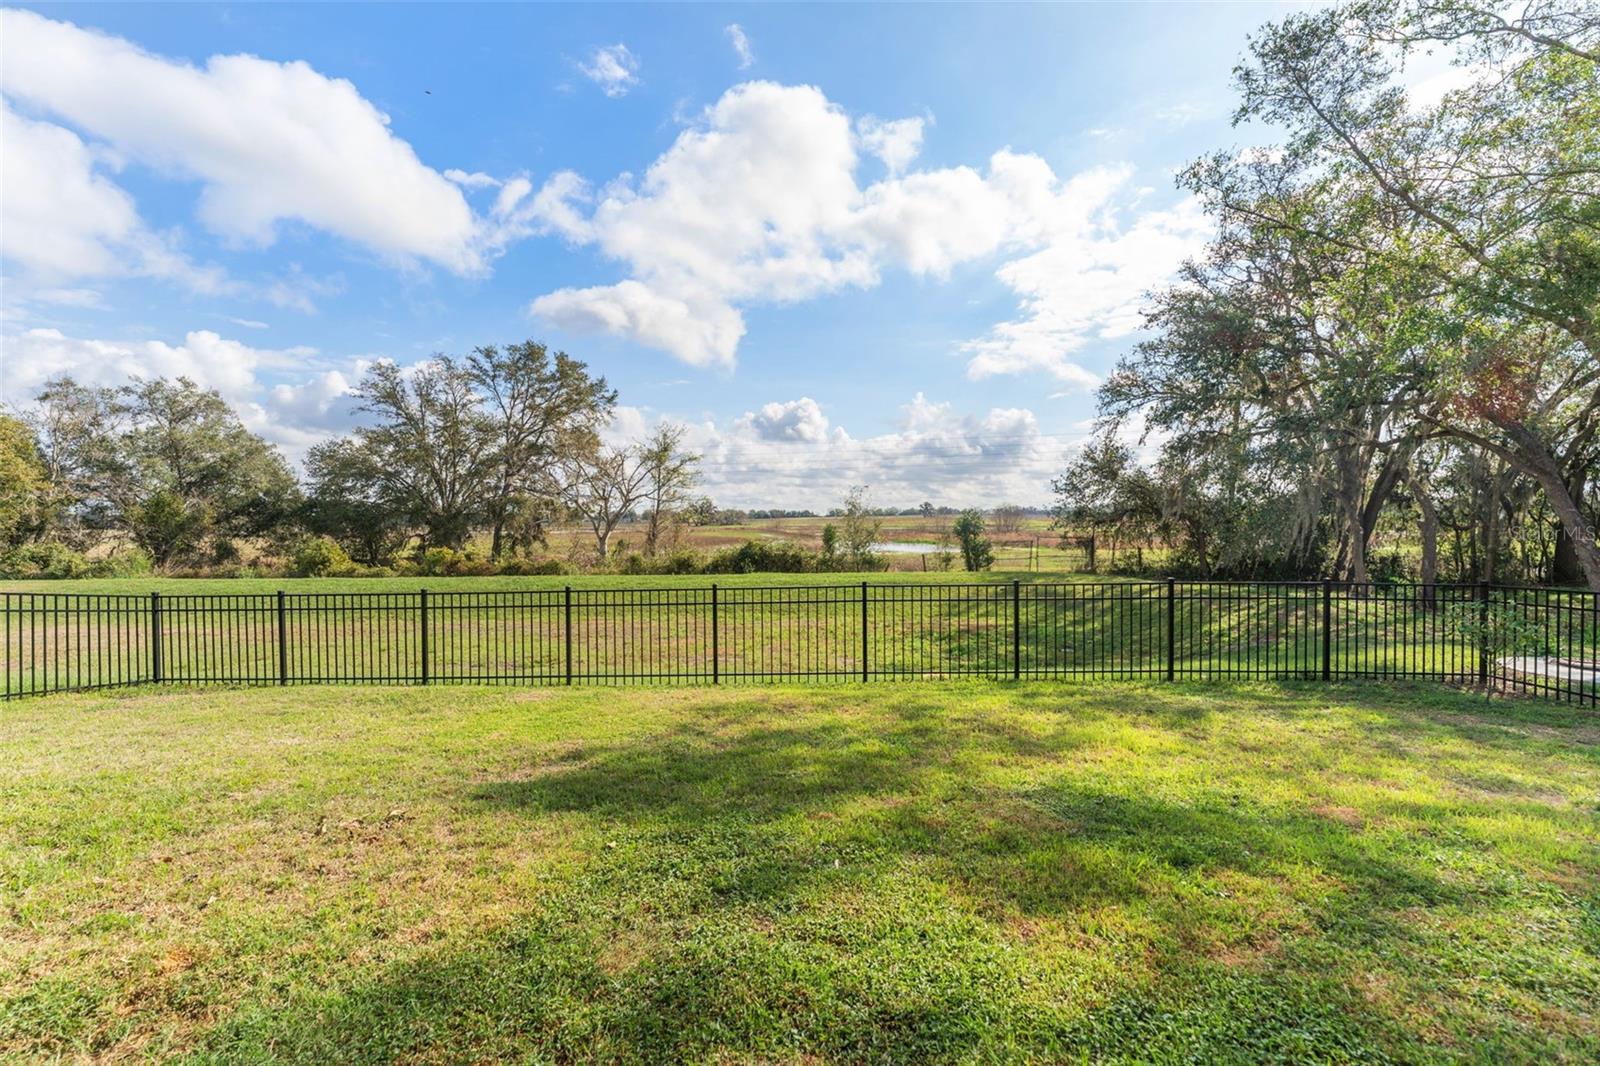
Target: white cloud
[758,202]
[701,336]
[788,454]
[475,180]
[800,419]
[741,44]
[62,218]
[896,143]
[1083,286]
[268,142]
[86,298]
[248,323]
[293,414]
[613,68]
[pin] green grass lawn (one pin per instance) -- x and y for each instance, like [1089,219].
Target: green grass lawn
[256,585]
[841,873]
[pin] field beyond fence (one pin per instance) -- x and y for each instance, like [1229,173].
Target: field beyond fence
[1536,641]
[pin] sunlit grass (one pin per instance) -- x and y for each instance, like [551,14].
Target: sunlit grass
[905,872]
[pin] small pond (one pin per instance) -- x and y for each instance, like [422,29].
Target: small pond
[906,547]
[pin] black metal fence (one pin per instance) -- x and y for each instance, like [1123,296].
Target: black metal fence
[1537,641]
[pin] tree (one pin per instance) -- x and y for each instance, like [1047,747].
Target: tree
[166,461]
[538,408]
[830,543]
[192,455]
[345,501]
[78,430]
[926,510]
[976,552]
[602,487]
[433,453]
[1007,517]
[670,474]
[858,528]
[1496,191]
[23,483]
[1105,491]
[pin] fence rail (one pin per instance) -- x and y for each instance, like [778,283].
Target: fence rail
[1538,641]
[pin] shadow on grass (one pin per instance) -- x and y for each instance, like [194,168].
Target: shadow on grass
[854,888]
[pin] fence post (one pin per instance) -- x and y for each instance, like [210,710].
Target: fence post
[423,647]
[1483,634]
[716,664]
[567,617]
[155,637]
[863,631]
[1016,629]
[1327,629]
[283,643]
[1172,628]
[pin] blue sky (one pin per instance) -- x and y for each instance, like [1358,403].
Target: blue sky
[809,252]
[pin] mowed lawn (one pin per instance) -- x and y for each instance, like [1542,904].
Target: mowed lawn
[913,872]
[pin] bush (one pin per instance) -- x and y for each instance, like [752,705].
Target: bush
[681,561]
[320,557]
[533,567]
[763,556]
[48,559]
[447,562]
[976,552]
[132,561]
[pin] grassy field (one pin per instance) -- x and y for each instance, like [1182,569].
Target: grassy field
[889,873]
[1033,545]
[227,585]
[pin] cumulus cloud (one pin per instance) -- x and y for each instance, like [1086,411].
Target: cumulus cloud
[62,217]
[268,142]
[741,44]
[293,414]
[896,143]
[758,203]
[800,419]
[787,453]
[1084,286]
[613,68]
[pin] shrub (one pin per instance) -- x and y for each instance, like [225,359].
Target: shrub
[447,562]
[763,556]
[320,557]
[681,561]
[49,559]
[132,561]
[976,552]
[533,567]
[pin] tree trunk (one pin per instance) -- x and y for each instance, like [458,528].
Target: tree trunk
[1349,496]
[1564,566]
[1490,527]
[1541,465]
[1430,541]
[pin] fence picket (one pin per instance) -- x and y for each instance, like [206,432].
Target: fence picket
[1544,642]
